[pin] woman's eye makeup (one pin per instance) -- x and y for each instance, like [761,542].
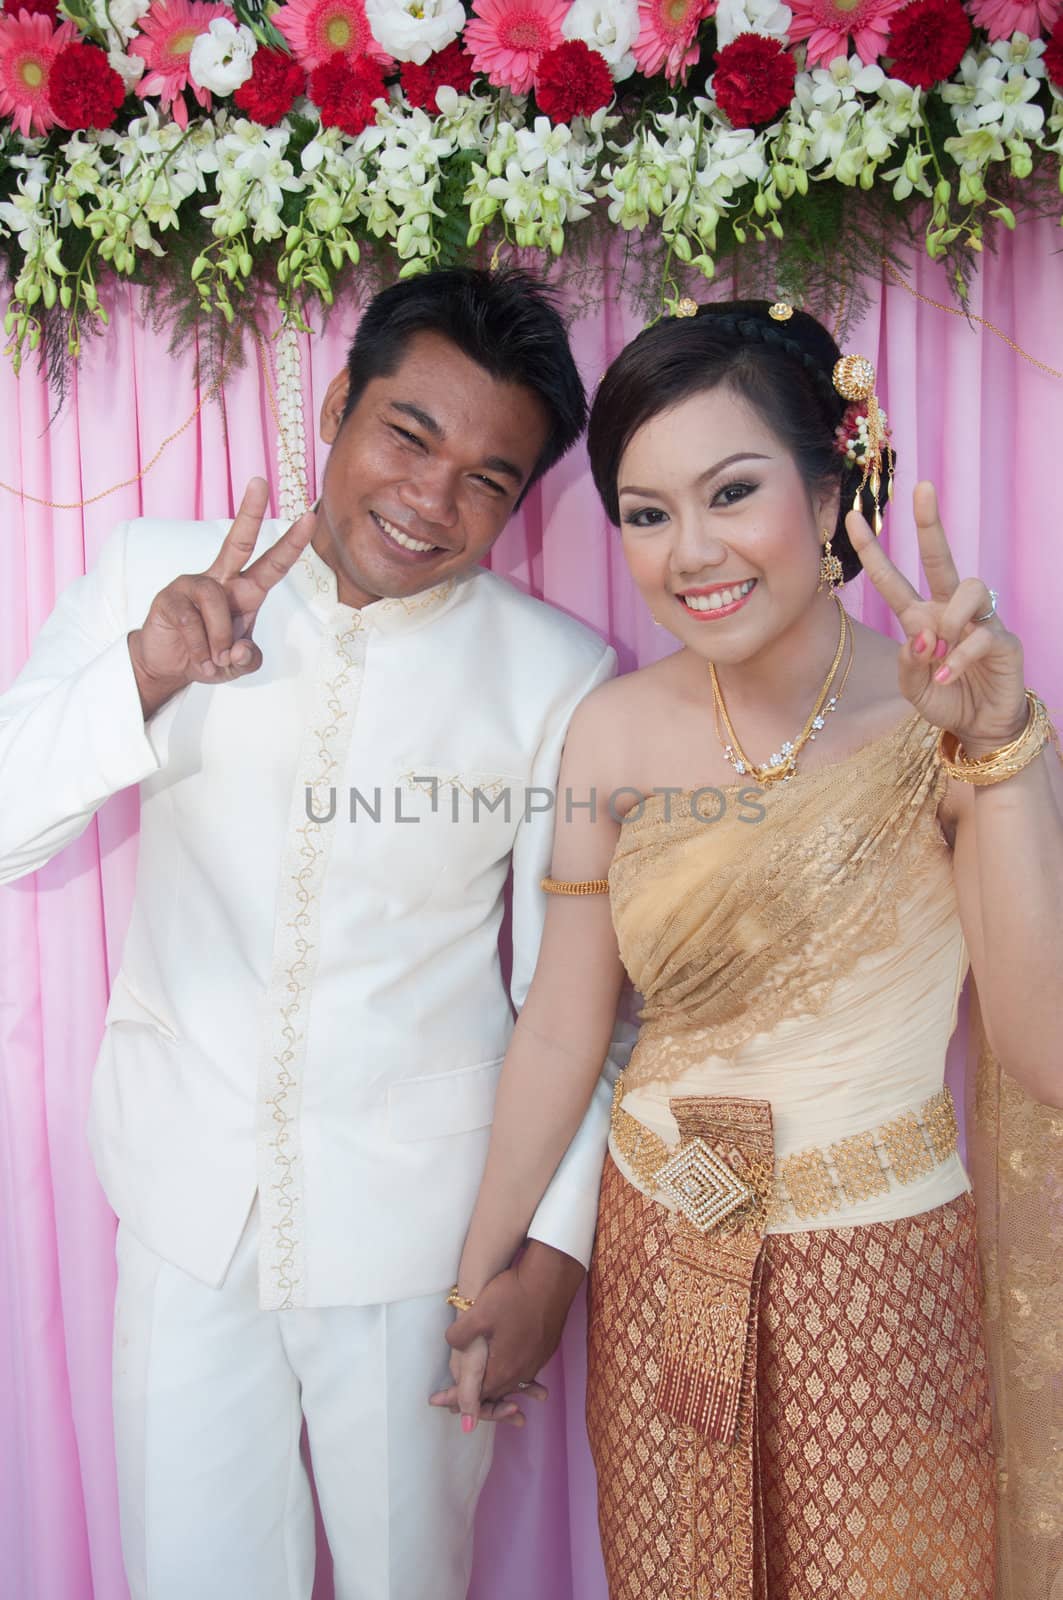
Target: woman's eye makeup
[728,494]
[645,517]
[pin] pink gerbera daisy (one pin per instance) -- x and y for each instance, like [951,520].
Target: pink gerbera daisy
[317,30]
[167,34]
[28,48]
[1002,18]
[668,36]
[507,37]
[828,25]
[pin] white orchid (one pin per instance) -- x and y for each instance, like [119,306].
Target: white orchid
[1021,51]
[413,30]
[1006,102]
[28,216]
[900,107]
[847,74]
[974,150]
[609,26]
[254,175]
[975,72]
[467,119]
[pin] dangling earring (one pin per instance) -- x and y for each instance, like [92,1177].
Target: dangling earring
[830,568]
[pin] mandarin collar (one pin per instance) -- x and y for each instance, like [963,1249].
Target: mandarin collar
[316,582]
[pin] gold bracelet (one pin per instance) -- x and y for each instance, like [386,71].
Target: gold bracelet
[1006,762]
[459,1301]
[587,886]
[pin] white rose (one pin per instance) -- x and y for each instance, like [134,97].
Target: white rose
[129,68]
[766,17]
[413,30]
[220,59]
[608,26]
[119,18]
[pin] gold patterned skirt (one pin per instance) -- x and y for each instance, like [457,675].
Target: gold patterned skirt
[862,1459]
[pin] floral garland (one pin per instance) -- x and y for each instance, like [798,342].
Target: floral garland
[260,142]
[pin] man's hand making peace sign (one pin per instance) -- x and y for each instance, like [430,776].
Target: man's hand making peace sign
[199,629]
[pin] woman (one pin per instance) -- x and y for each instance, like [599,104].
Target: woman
[787,1381]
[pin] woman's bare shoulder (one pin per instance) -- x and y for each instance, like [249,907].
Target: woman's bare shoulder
[610,725]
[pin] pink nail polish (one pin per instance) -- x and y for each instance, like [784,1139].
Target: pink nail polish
[467,1424]
[942,675]
[941,648]
[920,645]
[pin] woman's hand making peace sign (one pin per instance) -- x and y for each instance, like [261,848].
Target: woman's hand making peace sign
[959,666]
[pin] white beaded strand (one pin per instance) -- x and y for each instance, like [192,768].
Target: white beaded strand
[292,493]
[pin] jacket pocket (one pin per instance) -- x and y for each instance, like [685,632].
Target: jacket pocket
[444,1103]
[126,1005]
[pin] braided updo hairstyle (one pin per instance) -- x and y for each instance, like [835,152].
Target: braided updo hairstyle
[782,369]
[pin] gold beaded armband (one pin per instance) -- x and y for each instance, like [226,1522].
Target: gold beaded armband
[587,886]
[460,1302]
[1009,760]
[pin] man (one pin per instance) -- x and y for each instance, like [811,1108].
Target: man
[342,734]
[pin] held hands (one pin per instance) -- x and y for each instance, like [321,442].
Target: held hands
[960,674]
[508,1336]
[466,1397]
[199,628]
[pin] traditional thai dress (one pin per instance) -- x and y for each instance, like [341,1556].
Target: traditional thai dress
[788,1392]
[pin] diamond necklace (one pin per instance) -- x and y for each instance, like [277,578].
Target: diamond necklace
[782,763]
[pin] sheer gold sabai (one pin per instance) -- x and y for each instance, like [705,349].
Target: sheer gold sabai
[817,923]
[736,908]
[1015,1153]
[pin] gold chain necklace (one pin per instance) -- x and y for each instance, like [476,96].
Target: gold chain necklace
[782,763]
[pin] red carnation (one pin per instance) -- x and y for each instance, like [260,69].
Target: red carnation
[754,80]
[926,41]
[85,90]
[450,68]
[275,84]
[36,8]
[1053,57]
[344,89]
[572,81]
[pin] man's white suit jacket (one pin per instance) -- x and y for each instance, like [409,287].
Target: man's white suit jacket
[310,1004]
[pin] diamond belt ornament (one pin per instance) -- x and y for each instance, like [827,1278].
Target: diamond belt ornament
[702,1185]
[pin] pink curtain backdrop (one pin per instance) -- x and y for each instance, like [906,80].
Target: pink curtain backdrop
[966,412]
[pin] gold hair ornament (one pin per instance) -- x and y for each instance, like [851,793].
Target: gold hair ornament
[854,379]
[781,311]
[687,307]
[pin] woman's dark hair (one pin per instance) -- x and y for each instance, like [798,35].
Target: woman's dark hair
[506,321]
[782,369]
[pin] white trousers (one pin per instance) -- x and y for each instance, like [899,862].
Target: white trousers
[210,1394]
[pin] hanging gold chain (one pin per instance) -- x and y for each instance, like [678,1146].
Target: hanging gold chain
[958,311]
[126,483]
